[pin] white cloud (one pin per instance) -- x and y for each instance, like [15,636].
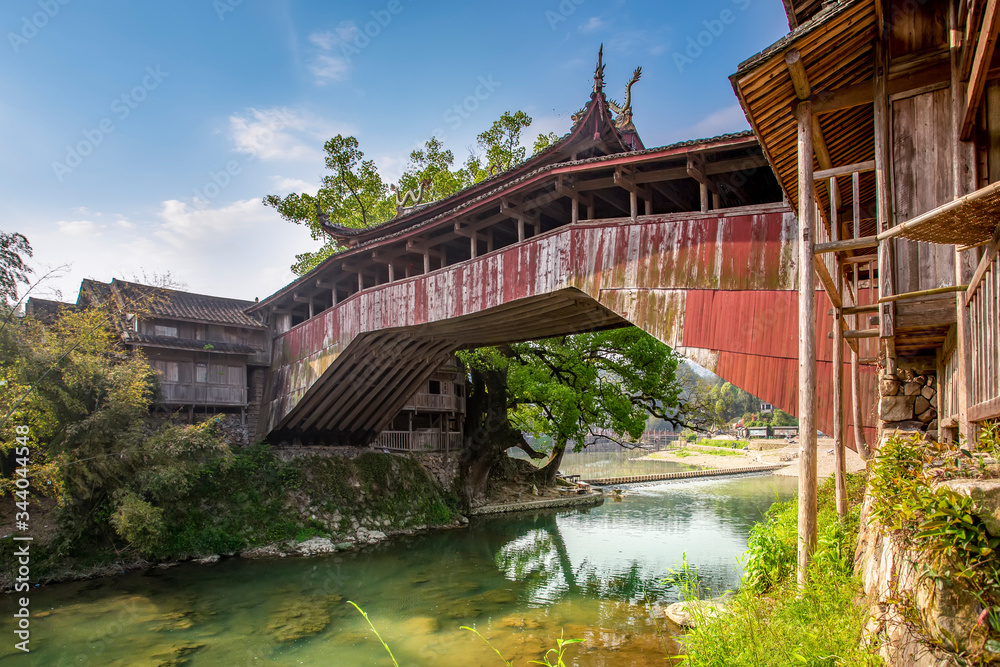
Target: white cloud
[240,249]
[332,68]
[280,133]
[79,227]
[283,185]
[593,24]
[332,62]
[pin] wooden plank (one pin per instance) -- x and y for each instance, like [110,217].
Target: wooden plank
[858,167]
[989,409]
[850,244]
[807,529]
[922,293]
[980,67]
[973,20]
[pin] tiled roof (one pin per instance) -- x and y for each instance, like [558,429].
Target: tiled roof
[170,303]
[46,310]
[461,205]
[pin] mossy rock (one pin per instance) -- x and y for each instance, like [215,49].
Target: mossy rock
[298,618]
[499,596]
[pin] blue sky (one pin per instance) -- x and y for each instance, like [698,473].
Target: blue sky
[140,137]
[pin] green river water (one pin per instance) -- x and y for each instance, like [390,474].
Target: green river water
[521,580]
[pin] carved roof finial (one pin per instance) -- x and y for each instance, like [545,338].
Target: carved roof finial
[623,119]
[599,72]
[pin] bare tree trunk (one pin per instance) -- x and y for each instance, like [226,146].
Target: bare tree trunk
[547,474]
[488,433]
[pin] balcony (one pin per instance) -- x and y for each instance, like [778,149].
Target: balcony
[435,403]
[418,441]
[203,394]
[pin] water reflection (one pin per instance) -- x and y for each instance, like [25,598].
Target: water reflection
[519,580]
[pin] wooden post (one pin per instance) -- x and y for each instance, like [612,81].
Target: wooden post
[886,265]
[392,271]
[333,296]
[807,345]
[312,310]
[716,201]
[633,204]
[648,205]
[489,240]
[520,229]
[427,261]
[575,210]
[859,430]
[472,245]
[704,197]
[963,179]
[838,411]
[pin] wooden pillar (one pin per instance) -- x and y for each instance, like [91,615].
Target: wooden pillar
[648,205]
[427,261]
[859,430]
[489,240]
[361,281]
[520,229]
[473,245]
[883,196]
[703,188]
[312,310]
[633,204]
[392,272]
[575,210]
[716,201]
[840,462]
[333,296]
[807,344]
[963,179]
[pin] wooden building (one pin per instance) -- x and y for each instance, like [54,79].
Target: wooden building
[880,119]
[210,354]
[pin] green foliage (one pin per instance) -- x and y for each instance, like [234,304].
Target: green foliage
[820,625]
[372,626]
[556,653]
[352,195]
[769,621]
[956,546]
[502,141]
[543,141]
[14,271]
[689,583]
[138,521]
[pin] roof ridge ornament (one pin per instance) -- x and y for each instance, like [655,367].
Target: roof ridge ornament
[623,118]
[599,72]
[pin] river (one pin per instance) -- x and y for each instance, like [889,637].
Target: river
[520,580]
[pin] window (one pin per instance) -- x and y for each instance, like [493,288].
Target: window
[169,370]
[161,330]
[459,388]
[434,387]
[201,372]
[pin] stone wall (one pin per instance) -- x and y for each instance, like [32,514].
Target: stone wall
[908,402]
[918,620]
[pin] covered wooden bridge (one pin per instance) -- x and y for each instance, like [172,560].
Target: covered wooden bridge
[692,242]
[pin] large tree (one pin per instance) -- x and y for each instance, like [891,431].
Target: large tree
[565,390]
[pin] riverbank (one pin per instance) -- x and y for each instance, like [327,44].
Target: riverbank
[762,453]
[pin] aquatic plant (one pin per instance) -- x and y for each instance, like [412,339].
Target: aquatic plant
[372,626]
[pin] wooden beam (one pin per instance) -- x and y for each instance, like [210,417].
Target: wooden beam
[973,20]
[807,346]
[696,170]
[823,174]
[980,67]
[923,293]
[858,333]
[850,244]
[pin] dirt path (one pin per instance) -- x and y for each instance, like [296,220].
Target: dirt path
[704,459]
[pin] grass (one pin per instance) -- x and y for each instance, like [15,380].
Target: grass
[693,451]
[769,622]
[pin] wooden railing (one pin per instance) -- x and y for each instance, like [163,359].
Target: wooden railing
[437,402]
[418,441]
[983,301]
[196,393]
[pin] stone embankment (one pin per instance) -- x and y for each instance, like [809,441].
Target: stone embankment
[908,402]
